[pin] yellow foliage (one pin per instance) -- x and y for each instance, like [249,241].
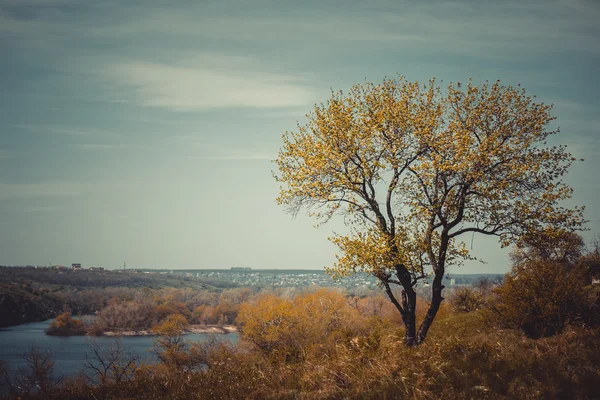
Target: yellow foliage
[292,328]
[269,322]
[472,160]
[173,325]
[66,325]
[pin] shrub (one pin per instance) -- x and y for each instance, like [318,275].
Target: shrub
[541,297]
[292,329]
[466,299]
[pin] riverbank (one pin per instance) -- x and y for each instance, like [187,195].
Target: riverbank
[191,329]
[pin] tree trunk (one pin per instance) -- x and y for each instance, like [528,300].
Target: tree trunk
[409,303]
[436,301]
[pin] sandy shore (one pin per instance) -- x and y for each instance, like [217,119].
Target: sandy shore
[216,329]
[211,329]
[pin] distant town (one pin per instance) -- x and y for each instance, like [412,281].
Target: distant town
[283,278]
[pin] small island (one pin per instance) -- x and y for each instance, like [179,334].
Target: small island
[191,329]
[66,325]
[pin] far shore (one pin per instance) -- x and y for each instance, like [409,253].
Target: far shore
[206,329]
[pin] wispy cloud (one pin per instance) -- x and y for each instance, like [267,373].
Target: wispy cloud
[439,24]
[154,76]
[198,86]
[457,26]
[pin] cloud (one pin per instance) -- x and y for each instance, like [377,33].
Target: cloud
[458,26]
[202,86]
[382,20]
[288,40]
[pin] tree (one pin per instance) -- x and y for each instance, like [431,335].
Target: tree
[108,366]
[558,246]
[37,376]
[413,170]
[170,345]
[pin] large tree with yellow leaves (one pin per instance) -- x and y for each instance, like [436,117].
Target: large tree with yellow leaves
[414,168]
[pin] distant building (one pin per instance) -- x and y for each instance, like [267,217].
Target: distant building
[241,269]
[452,281]
[97,269]
[76,267]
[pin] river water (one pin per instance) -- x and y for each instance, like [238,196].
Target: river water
[68,352]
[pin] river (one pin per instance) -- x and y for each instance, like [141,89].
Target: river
[68,352]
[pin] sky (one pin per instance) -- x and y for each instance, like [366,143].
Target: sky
[143,132]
